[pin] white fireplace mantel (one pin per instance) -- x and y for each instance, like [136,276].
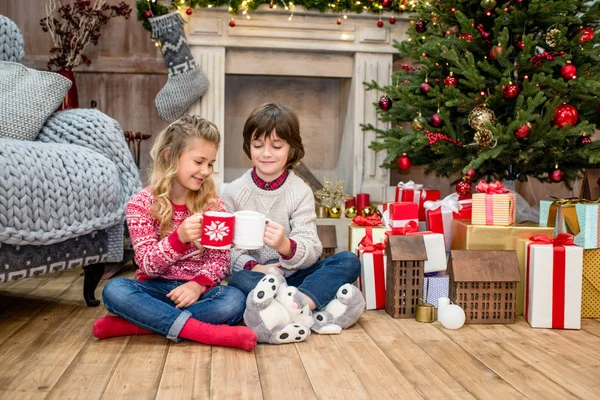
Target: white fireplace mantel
[309,45]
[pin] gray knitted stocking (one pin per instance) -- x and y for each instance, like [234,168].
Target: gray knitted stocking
[187,83]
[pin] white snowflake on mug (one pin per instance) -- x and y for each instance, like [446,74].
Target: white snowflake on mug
[217,230]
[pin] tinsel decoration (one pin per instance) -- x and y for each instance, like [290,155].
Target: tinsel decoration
[480,116]
[483,137]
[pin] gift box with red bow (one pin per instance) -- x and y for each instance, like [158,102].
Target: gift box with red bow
[400,215]
[412,192]
[493,205]
[357,230]
[373,262]
[553,279]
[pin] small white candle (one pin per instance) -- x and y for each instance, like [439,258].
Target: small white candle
[443,302]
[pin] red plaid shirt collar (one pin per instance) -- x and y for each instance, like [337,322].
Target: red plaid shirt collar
[273,185]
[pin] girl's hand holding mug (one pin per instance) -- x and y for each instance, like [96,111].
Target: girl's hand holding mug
[190,229]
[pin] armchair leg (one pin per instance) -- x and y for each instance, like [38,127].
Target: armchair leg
[92,275]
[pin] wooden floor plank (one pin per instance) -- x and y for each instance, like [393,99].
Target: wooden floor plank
[331,376]
[89,373]
[282,375]
[138,371]
[552,359]
[473,375]
[591,326]
[523,377]
[14,291]
[234,374]
[186,374]
[376,372]
[423,372]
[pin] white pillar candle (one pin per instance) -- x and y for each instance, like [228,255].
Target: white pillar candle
[443,302]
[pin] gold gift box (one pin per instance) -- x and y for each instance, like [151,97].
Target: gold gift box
[503,208]
[590,298]
[357,232]
[466,236]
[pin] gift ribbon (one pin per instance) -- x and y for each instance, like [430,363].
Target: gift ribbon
[373,220]
[559,271]
[491,188]
[409,227]
[439,216]
[366,245]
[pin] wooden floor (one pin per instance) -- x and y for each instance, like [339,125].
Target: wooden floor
[47,351]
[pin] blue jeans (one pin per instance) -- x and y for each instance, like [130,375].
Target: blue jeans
[145,304]
[319,282]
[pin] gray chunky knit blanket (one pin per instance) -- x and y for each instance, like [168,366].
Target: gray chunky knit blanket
[74,179]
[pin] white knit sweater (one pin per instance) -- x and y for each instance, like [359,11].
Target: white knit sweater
[291,205]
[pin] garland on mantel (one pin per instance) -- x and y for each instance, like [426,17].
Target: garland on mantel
[153,8]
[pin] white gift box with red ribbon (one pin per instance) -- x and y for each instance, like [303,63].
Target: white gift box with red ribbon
[373,264]
[553,280]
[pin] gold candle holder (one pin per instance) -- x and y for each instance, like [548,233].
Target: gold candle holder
[322,212]
[425,312]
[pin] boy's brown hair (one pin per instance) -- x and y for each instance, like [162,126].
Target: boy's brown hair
[284,120]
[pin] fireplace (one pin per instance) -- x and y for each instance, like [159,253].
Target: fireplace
[309,63]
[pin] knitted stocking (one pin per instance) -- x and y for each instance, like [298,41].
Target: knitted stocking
[187,83]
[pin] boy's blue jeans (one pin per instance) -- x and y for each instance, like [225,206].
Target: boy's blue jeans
[319,282]
[145,304]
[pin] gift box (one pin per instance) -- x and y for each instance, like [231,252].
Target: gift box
[466,202]
[440,215]
[466,236]
[553,281]
[434,287]
[373,262]
[357,232]
[590,298]
[544,211]
[402,214]
[427,195]
[579,217]
[435,249]
[493,205]
[408,192]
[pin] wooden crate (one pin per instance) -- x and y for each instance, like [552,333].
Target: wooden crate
[484,284]
[328,239]
[406,258]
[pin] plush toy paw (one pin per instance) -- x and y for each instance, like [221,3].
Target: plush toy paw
[296,305]
[266,289]
[292,333]
[343,311]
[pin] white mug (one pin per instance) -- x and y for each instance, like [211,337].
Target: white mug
[249,230]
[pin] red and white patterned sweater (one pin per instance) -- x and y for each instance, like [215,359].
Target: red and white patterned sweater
[170,258]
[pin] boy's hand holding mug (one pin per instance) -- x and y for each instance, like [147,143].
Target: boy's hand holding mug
[276,239]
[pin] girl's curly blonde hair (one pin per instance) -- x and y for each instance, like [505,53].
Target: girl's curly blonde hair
[167,149]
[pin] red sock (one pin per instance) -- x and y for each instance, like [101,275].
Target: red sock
[112,326]
[222,335]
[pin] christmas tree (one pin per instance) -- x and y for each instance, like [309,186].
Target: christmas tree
[505,90]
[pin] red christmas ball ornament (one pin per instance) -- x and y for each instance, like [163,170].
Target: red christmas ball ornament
[523,131]
[520,45]
[425,86]
[463,188]
[568,71]
[380,24]
[588,34]
[556,175]
[404,162]
[495,52]
[511,91]
[232,23]
[470,175]
[339,21]
[270,5]
[436,121]
[466,36]
[583,140]
[385,103]
[147,14]
[565,114]
[189,11]
[392,20]
[421,26]
[386,3]
[450,80]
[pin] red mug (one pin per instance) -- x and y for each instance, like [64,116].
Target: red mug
[217,230]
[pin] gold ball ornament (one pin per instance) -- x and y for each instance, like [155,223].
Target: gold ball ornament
[419,123]
[481,115]
[335,212]
[369,211]
[483,137]
[350,212]
[553,37]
